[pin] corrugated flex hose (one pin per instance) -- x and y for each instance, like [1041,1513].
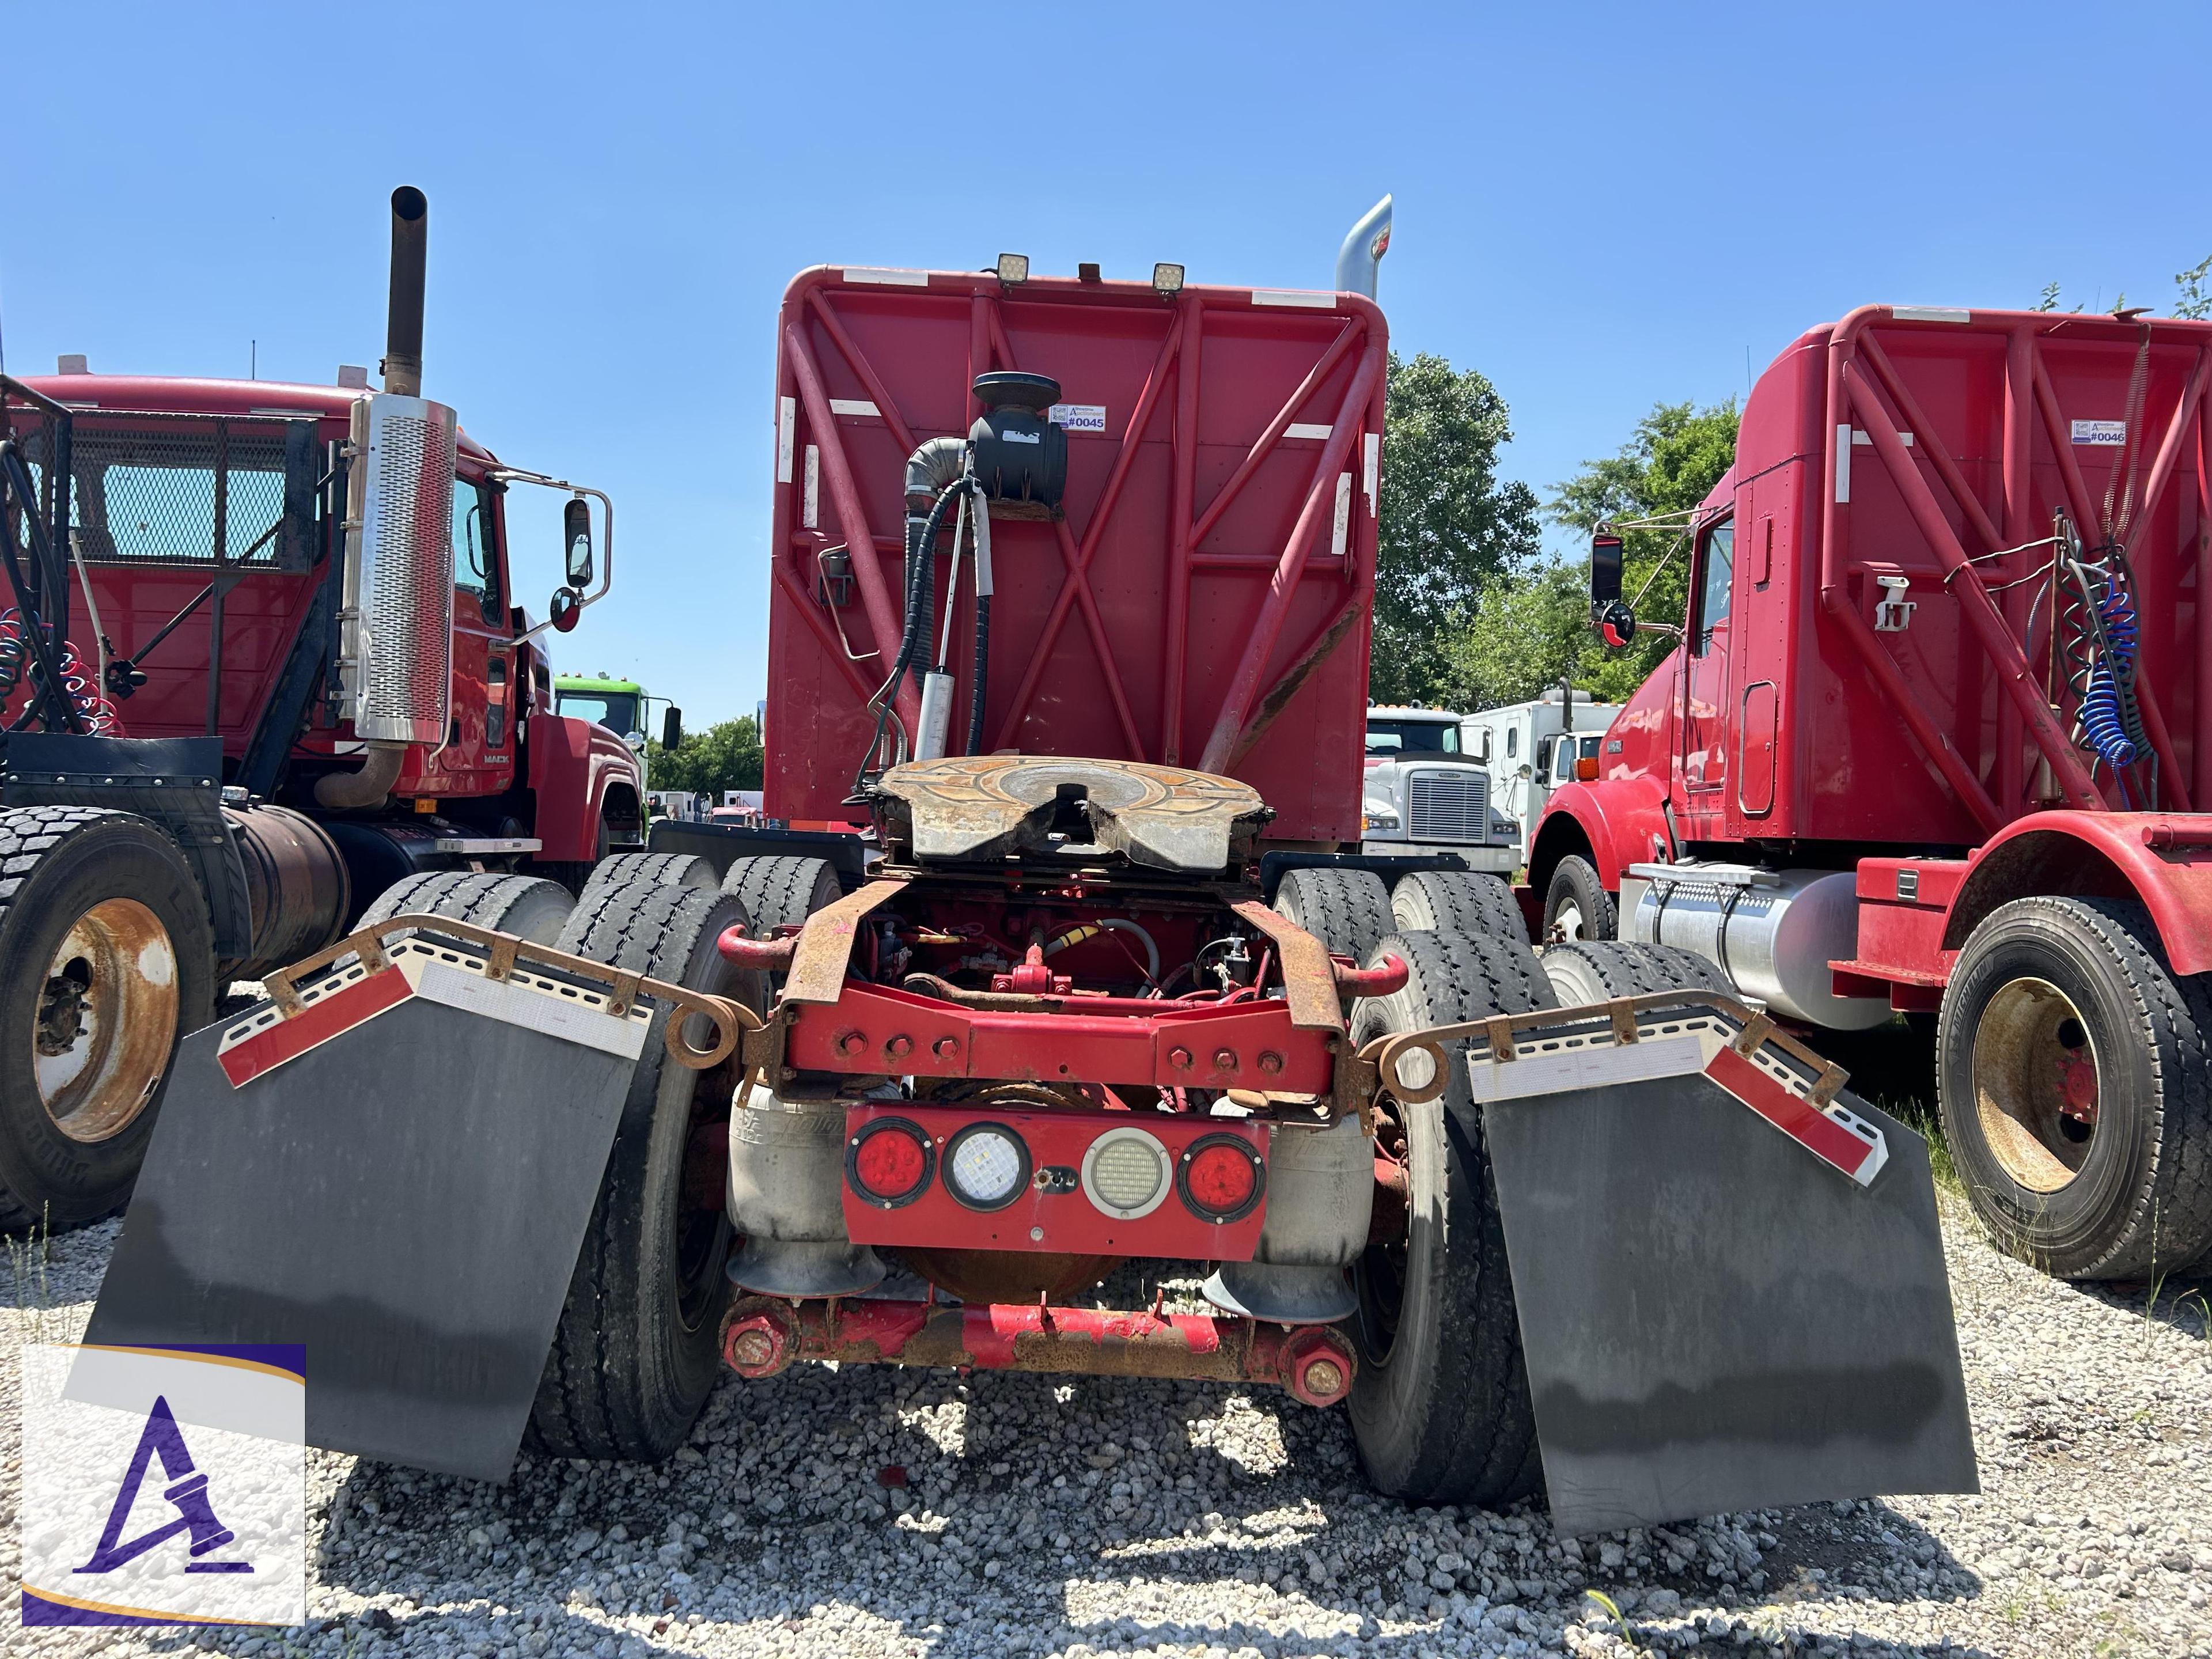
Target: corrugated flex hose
[2102,657]
[97,713]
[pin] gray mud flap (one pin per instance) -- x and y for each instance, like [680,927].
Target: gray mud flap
[1730,1279]
[398,1176]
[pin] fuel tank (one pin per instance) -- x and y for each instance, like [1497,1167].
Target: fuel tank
[1773,933]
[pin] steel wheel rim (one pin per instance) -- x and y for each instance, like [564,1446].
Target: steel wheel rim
[1567,920]
[2036,1085]
[106,1020]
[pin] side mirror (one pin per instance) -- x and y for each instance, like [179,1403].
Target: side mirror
[672,730]
[1605,572]
[567,610]
[576,534]
[1616,625]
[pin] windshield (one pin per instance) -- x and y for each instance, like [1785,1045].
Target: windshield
[616,710]
[1413,738]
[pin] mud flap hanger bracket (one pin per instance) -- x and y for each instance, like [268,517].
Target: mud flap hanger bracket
[733,1021]
[1769,1072]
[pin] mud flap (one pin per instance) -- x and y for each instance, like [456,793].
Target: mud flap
[1729,1275]
[397,1176]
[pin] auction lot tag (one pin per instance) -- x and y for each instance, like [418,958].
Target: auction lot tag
[164,1485]
[2112,433]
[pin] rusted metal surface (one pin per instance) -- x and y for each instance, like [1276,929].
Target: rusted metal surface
[985,806]
[1309,976]
[1008,1275]
[731,1020]
[825,944]
[107,1015]
[1385,979]
[762,1335]
[769,956]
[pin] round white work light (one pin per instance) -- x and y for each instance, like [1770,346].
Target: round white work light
[1125,1173]
[986,1165]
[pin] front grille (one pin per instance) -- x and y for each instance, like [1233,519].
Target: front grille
[1449,804]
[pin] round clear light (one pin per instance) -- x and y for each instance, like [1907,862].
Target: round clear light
[986,1167]
[1126,1172]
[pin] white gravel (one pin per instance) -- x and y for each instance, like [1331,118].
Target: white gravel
[1040,1516]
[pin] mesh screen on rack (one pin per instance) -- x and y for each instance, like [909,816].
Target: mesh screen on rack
[148,493]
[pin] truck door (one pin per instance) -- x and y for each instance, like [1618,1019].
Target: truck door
[1706,670]
[480,755]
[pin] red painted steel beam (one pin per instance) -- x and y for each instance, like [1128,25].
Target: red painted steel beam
[879,393]
[1351,332]
[1938,453]
[1244,1045]
[2005,658]
[852,517]
[1093,533]
[1266,628]
[763,1335]
[2203,682]
[1175,667]
[2089,519]
[1835,597]
[2020,527]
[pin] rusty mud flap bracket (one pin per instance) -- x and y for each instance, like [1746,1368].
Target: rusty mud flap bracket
[392,1160]
[1728,1270]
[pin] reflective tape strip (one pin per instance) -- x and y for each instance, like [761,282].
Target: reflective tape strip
[852,406]
[1597,1065]
[538,1011]
[887,277]
[246,1052]
[1837,1137]
[1289,296]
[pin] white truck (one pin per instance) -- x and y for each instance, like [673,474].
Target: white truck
[1424,793]
[1532,748]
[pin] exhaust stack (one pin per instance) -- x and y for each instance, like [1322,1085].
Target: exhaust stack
[396,617]
[402,328]
[1361,256]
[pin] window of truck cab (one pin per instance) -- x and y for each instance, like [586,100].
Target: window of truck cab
[1413,736]
[475,549]
[1716,566]
[616,710]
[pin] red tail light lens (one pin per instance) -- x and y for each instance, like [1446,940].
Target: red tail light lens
[1220,1177]
[890,1162]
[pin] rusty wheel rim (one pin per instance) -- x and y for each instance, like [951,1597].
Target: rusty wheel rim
[106,1020]
[2036,1090]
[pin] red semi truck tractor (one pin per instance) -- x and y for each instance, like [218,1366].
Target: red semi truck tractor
[260,660]
[1937,737]
[1066,992]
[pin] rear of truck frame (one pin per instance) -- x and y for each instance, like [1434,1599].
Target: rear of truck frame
[1060,966]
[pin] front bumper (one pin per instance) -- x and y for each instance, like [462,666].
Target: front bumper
[1496,860]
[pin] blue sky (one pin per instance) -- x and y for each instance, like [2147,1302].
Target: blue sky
[1599,206]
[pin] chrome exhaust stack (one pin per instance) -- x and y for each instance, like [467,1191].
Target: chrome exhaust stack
[396,620]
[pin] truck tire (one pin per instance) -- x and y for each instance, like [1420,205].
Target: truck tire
[2074,1074]
[529,907]
[1598,970]
[1457,901]
[635,1353]
[1440,1408]
[1576,904]
[1348,910]
[641,871]
[107,961]
[781,890]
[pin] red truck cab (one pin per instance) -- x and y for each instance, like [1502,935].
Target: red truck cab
[1931,741]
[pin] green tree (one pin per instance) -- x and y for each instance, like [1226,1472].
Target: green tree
[1527,630]
[723,756]
[1450,524]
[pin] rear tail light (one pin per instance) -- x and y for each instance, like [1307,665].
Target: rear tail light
[1125,1173]
[986,1166]
[1220,1177]
[890,1162]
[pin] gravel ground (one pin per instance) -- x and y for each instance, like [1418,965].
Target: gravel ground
[880,1512]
